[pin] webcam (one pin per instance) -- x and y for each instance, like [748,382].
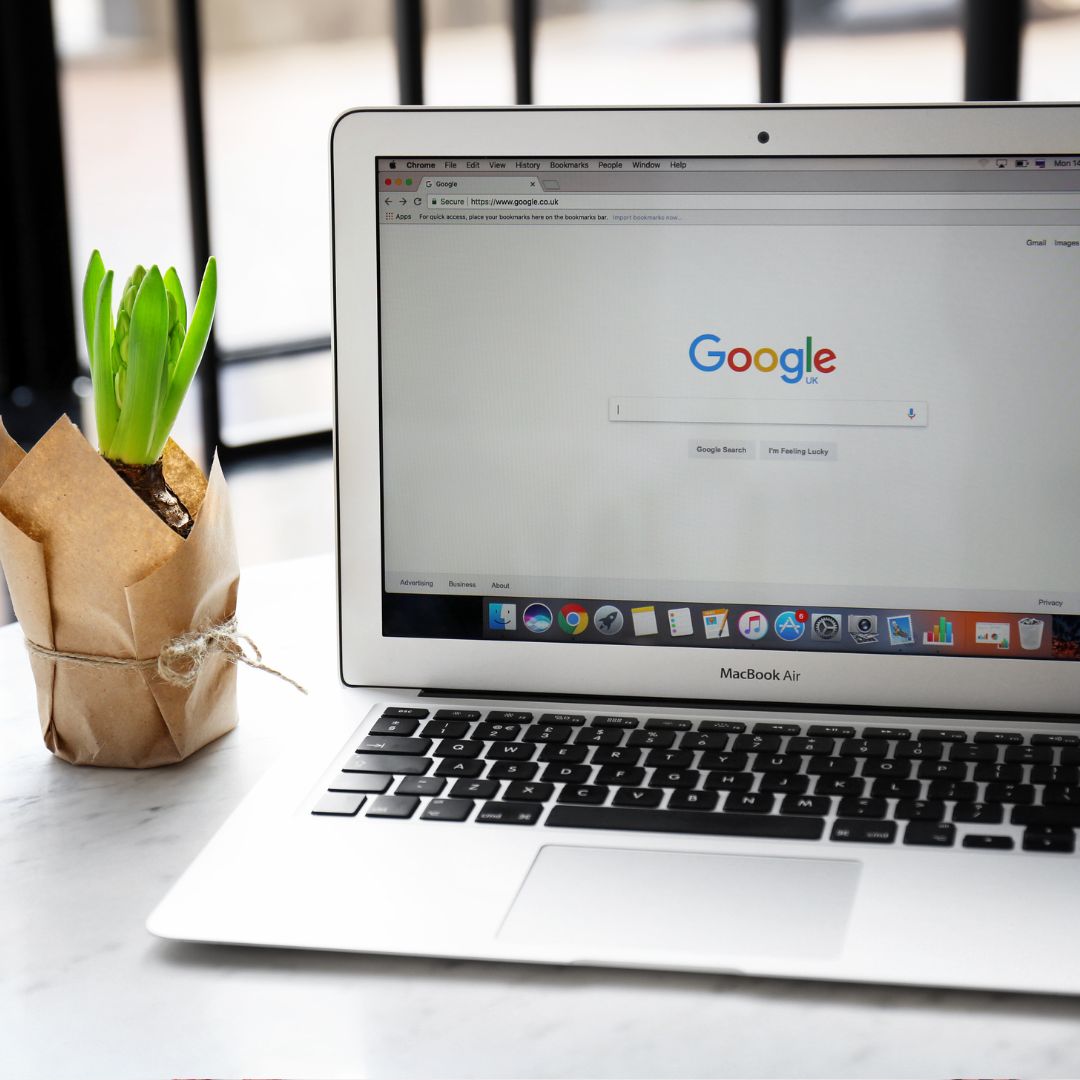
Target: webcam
[762,136]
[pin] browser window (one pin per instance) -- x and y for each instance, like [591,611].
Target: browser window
[732,403]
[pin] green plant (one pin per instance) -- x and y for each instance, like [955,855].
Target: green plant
[142,362]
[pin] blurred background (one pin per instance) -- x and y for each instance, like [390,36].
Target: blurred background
[161,130]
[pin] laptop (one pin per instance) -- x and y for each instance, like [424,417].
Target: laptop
[708,489]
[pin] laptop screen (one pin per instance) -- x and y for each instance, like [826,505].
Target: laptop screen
[732,403]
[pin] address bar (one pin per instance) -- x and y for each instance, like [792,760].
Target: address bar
[767,411]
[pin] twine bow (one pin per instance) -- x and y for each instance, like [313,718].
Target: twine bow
[182,658]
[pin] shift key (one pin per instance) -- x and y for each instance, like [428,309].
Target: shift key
[388,763]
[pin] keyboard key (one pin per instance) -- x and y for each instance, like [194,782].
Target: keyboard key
[972,752]
[573,719]
[890,768]
[777,729]
[943,770]
[563,753]
[1055,774]
[393,806]
[730,727]
[831,766]
[930,833]
[1013,793]
[1049,838]
[978,813]
[659,739]
[513,770]
[446,729]
[693,800]
[840,785]
[339,804]
[986,842]
[1000,738]
[1070,756]
[567,774]
[509,813]
[474,789]
[621,722]
[406,713]
[496,732]
[509,716]
[394,725]
[393,744]
[896,789]
[529,791]
[616,755]
[388,763]
[664,723]
[864,748]
[703,740]
[584,794]
[447,810]
[1031,755]
[729,781]
[785,783]
[942,735]
[811,805]
[953,790]
[685,821]
[468,715]
[510,751]
[739,803]
[1058,795]
[831,731]
[818,745]
[780,763]
[591,736]
[420,785]
[724,760]
[620,775]
[1046,815]
[367,783]
[548,733]
[864,832]
[990,772]
[886,733]
[672,759]
[1055,740]
[467,767]
[459,748]
[919,810]
[757,744]
[926,750]
[674,778]
[862,807]
[637,796]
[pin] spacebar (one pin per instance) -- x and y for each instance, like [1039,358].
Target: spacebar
[686,821]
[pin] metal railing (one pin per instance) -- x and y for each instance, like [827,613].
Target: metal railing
[33,222]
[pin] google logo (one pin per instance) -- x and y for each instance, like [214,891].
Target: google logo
[793,363]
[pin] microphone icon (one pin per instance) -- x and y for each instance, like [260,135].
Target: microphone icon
[911,414]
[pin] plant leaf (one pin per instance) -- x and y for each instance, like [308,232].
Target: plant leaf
[176,291]
[144,385]
[191,352]
[101,367]
[95,271]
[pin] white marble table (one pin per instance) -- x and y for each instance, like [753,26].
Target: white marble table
[86,991]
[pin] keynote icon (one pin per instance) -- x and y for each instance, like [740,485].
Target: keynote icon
[716,623]
[753,625]
[608,620]
[644,620]
[992,633]
[573,619]
[537,618]
[502,616]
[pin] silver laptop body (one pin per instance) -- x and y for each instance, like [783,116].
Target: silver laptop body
[707,494]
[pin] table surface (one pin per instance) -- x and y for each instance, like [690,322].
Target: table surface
[87,853]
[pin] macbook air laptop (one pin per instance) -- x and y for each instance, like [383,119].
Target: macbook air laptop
[708,499]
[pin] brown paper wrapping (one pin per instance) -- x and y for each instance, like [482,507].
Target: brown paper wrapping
[92,570]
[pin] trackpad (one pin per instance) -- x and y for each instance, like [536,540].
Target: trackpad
[611,900]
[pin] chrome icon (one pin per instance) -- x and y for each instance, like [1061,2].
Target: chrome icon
[573,619]
[537,618]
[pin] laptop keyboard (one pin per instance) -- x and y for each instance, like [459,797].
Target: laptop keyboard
[946,788]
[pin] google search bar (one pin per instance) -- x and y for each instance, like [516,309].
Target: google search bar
[767,411]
